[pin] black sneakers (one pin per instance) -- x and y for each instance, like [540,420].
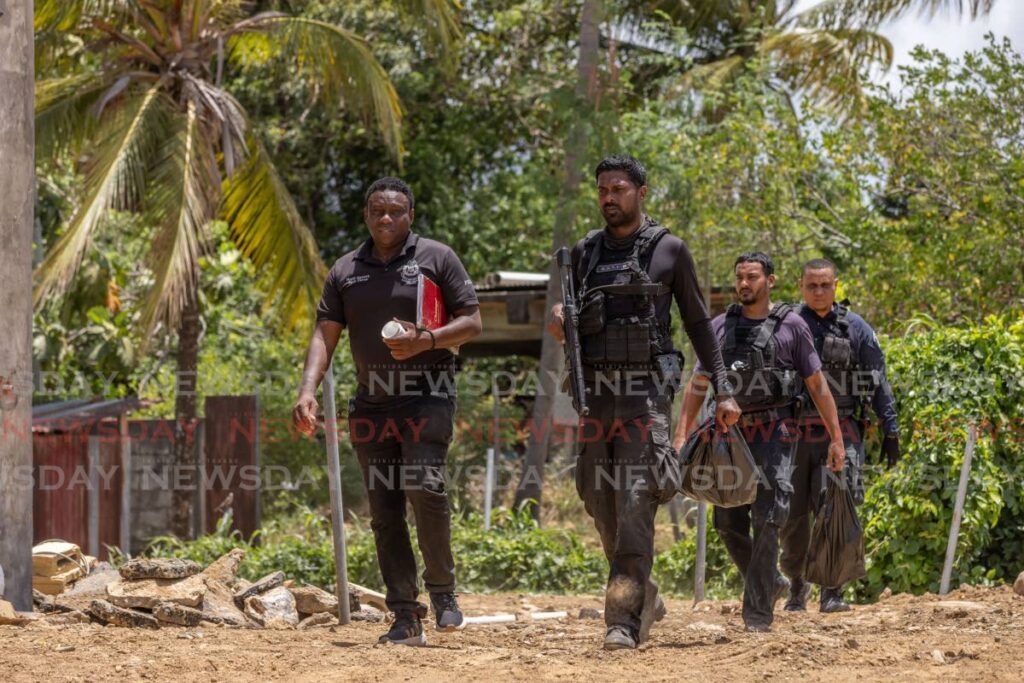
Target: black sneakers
[446,612]
[407,629]
[620,638]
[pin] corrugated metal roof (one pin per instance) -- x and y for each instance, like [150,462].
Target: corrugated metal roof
[76,414]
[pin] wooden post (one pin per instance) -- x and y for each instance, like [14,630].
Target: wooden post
[125,444]
[702,552]
[958,510]
[93,494]
[17,200]
[337,509]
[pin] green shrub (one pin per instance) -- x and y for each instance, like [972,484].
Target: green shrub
[515,554]
[674,568]
[944,379]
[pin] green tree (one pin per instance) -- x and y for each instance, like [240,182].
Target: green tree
[823,51]
[141,100]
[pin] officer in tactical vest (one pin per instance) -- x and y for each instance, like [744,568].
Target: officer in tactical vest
[626,276]
[854,366]
[770,359]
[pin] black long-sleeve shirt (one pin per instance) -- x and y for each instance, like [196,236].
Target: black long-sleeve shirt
[671,264]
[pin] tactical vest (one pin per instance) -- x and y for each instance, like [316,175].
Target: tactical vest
[751,364]
[850,387]
[617,322]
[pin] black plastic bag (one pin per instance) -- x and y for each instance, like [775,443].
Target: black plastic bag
[836,552]
[717,467]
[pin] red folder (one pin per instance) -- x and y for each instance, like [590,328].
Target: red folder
[430,310]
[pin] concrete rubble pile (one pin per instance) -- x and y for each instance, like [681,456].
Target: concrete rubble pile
[158,593]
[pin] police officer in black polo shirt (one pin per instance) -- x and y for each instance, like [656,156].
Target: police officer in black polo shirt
[770,357]
[400,420]
[854,364]
[627,276]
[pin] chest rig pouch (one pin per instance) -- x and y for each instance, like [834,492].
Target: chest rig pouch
[760,384]
[850,388]
[618,323]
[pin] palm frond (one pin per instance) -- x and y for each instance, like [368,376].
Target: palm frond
[872,13]
[828,65]
[62,15]
[114,179]
[713,77]
[265,226]
[66,109]
[440,18]
[183,201]
[333,58]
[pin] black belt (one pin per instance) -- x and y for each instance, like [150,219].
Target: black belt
[767,415]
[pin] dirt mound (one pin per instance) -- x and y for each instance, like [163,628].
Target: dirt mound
[971,634]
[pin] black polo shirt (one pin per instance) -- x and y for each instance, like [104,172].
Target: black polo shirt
[363,293]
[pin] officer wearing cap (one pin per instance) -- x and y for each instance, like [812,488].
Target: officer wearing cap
[627,275]
[400,420]
[854,365]
[770,357]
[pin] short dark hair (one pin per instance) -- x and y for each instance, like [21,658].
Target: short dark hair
[819,264]
[623,162]
[390,183]
[767,265]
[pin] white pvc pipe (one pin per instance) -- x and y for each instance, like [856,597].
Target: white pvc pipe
[489,489]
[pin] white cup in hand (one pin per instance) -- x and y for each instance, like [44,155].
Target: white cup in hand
[391,329]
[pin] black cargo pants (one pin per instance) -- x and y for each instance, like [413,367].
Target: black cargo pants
[810,478]
[402,446]
[624,470]
[755,551]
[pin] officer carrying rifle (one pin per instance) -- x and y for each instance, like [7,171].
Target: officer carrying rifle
[627,275]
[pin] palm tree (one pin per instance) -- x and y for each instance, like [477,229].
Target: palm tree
[158,133]
[822,51]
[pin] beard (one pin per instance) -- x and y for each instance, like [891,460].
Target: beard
[750,296]
[617,217]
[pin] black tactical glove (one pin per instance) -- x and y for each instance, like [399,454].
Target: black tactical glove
[891,449]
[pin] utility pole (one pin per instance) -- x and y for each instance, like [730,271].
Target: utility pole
[17,210]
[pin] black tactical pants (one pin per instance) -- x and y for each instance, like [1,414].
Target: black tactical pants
[810,478]
[622,474]
[756,554]
[402,446]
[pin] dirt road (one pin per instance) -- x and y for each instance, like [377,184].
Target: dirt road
[972,634]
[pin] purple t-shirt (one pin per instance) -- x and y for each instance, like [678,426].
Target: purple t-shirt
[795,345]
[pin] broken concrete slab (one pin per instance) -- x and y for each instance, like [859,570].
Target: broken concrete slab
[225,567]
[178,615]
[268,582]
[148,593]
[117,616]
[219,605]
[94,584]
[278,604]
[313,600]
[159,568]
[318,619]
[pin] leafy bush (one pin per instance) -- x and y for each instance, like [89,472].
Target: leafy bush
[515,554]
[673,569]
[944,379]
